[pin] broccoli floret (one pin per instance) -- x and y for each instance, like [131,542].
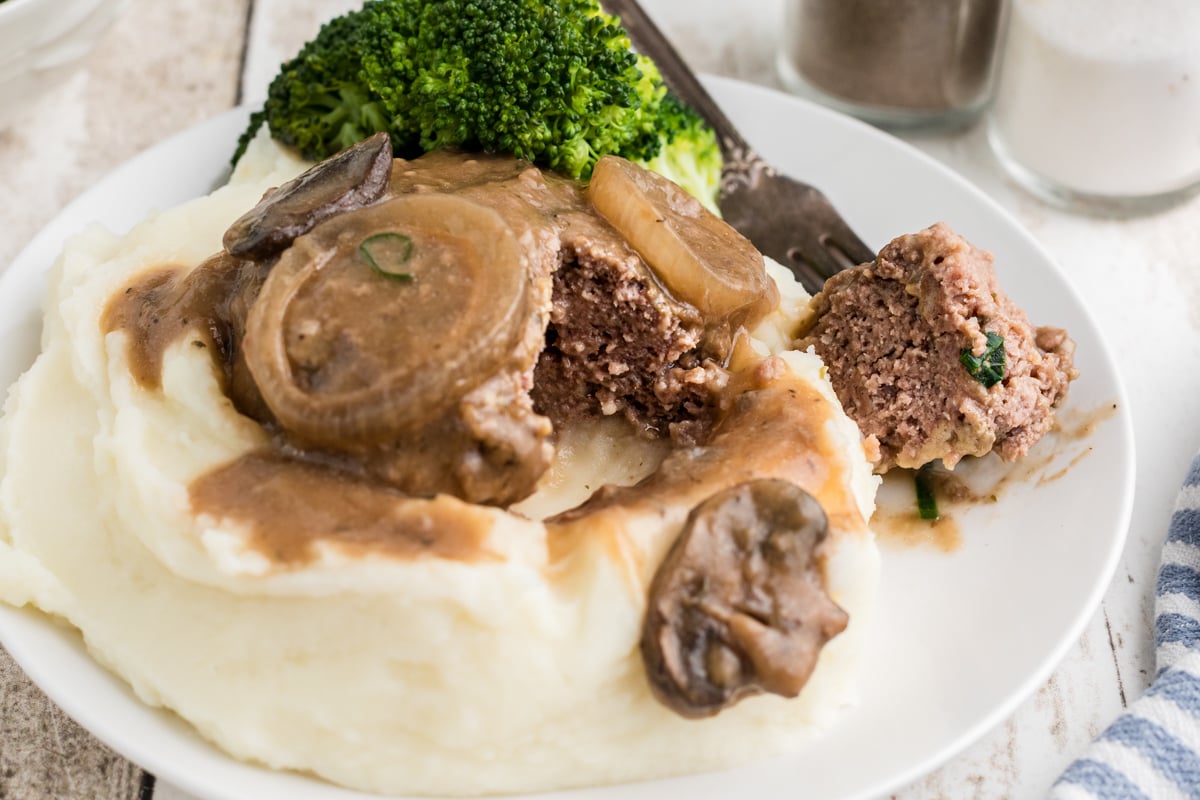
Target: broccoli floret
[690,155]
[552,81]
[318,102]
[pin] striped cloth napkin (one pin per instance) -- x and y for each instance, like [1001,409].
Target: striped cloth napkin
[1152,751]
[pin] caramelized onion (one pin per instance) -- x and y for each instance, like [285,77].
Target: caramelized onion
[697,255]
[346,355]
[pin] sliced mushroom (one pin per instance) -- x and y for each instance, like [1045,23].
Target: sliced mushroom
[380,320]
[351,179]
[737,607]
[698,257]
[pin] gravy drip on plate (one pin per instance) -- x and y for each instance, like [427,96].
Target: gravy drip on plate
[982,482]
[905,527]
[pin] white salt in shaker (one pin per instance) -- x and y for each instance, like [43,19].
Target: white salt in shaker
[1098,102]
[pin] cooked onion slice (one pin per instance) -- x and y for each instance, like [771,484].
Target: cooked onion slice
[345,353]
[698,257]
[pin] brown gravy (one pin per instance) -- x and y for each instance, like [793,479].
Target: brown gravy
[774,426]
[981,481]
[162,305]
[986,480]
[290,504]
[907,529]
[288,498]
[1076,426]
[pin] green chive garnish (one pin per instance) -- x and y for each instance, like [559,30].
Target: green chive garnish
[926,500]
[988,368]
[387,253]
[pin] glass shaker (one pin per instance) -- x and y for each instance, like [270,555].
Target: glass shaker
[895,63]
[1098,108]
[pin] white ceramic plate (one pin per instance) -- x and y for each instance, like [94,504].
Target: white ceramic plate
[960,638]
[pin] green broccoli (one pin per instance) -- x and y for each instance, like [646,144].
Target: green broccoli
[690,155]
[552,81]
[317,103]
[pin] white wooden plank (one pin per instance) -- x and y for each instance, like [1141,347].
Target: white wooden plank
[278,29]
[723,38]
[163,67]
[44,754]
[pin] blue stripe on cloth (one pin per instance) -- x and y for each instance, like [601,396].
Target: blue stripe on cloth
[1101,780]
[1176,628]
[1193,476]
[1185,526]
[1175,760]
[1181,688]
[1178,579]
[1175,691]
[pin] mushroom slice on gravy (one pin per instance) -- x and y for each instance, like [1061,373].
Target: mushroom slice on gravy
[354,178]
[738,605]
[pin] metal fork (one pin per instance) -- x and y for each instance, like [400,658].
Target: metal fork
[790,221]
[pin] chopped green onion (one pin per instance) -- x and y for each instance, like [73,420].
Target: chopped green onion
[926,500]
[988,368]
[387,253]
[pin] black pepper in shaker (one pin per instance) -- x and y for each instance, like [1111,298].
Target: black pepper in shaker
[895,63]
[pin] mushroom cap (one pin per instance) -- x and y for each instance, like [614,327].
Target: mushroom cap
[351,179]
[738,606]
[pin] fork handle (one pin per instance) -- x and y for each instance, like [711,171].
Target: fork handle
[678,76]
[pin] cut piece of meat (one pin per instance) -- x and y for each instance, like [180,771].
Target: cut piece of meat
[618,344]
[899,336]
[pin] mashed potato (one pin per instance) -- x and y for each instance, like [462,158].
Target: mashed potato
[516,672]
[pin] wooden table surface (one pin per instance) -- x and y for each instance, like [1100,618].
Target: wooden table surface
[166,66]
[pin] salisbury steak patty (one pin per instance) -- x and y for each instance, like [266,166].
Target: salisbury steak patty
[895,334]
[618,344]
[424,324]
[617,341]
